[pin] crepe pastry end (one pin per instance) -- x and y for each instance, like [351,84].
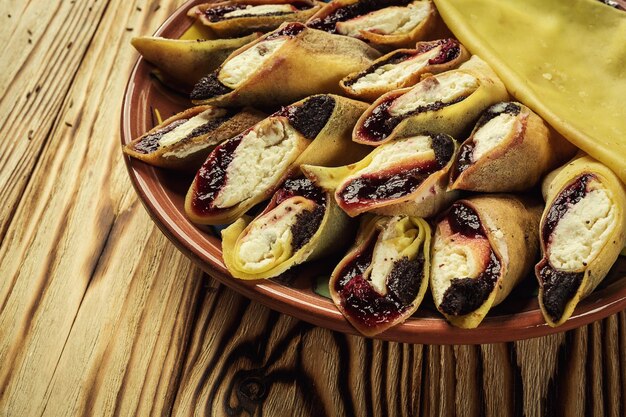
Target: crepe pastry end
[583,230]
[184,62]
[510,149]
[479,255]
[300,223]
[383,278]
[404,68]
[184,140]
[228,19]
[447,102]
[302,61]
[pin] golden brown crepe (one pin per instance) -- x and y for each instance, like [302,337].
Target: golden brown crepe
[566,60]
[448,103]
[510,149]
[248,168]
[227,19]
[583,230]
[482,248]
[301,223]
[383,278]
[284,66]
[184,140]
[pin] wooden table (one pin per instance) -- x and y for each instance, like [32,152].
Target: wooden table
[101,315]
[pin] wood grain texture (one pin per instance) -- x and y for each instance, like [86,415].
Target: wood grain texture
[101,316]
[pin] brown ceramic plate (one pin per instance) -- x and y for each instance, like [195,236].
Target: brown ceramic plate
[163,193]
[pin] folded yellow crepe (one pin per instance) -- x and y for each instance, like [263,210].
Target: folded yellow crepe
[571,69]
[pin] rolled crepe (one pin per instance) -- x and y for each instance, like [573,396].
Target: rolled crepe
[510,149]
[392,23]
[301,223]
[286,65]
[408,176]
[447,103]
[404,68]
[479,254]
[583,230]
[248,168]
[184,140]
[240,17]
[182,63]
[383,278]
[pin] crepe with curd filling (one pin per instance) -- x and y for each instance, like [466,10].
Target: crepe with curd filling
[404,68]
[286,65]
[184,140]
[227,19]
[583,230]
[444,103]
[391,23]
[248,168]
[408,176]
[483,246]
[383,278]
[566,60]
[301,223]
[510,149]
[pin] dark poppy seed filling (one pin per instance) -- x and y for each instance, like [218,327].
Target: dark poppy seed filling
[395,183]
[362,302]
[211,177]
[351,11]
[216,14]
[209,87]
[464,158]
[306,225]
[465,295]
[291,30]
[310,117]
[150,142]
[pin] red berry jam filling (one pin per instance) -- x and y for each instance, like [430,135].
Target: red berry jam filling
[300,187]
[351,11]
[363,303]
[291,30]
[465,294]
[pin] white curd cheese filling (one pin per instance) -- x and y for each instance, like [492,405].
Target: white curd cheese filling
[493,133]
[237,70]
[183,130]
[415,148]
[261,158]
[387,21]
[260,10]
[583,231]
[395,74]
[444,88]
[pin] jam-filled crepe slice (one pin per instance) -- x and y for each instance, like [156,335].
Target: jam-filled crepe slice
[483,246]
[383,278]
[301,223]
[408,176]
[393,23]
[404,68]
[286,65]
[248,168]
[448,102]
[239,17]
[583,230]
[184,140]
[510,149]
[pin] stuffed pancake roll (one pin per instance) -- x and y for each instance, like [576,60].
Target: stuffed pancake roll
[395,23]
[184,140]
[448,103]
[583,230]
[404,68]
[510,149]
[182,63]
[286,65]
[301,223]
[483,246]
[383,278]
[247,168]
[228,19]
[408,176]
